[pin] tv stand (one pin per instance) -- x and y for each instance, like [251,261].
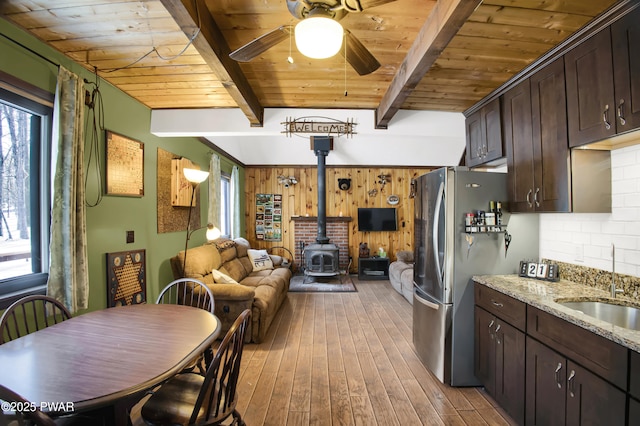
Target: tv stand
[373,268]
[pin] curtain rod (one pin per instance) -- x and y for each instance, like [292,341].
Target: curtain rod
[30,50]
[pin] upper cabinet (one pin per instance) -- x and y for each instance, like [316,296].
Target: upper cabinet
[603,83]
[625,37]
[535,136]
[484,135]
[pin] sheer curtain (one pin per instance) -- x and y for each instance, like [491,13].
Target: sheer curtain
[68,269]
[214,191]
[235,202]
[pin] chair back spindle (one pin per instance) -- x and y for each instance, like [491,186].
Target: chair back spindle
[29,314]
[188,291]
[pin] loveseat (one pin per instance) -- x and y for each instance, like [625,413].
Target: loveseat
[240,278]
[401,274]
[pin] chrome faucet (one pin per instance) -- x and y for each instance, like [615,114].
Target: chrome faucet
[614,290]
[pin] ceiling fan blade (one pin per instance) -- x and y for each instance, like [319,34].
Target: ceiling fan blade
[358,56]
[354,5]
[260,44]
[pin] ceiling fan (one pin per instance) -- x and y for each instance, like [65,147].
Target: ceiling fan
[329,12]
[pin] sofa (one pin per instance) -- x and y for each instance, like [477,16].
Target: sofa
[240,278]
[401,274]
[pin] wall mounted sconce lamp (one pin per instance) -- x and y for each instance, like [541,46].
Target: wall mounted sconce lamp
[287,181]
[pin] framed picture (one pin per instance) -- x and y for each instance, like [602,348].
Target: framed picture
[126,278]
[125,165]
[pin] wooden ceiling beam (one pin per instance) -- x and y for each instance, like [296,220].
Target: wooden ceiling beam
[214,49]
[441,26]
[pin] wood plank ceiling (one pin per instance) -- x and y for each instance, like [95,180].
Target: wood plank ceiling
[436,55]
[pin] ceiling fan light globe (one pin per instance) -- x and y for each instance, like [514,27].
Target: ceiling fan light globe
[318,37]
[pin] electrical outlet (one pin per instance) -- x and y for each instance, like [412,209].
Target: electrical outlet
[579,257]
[130,237]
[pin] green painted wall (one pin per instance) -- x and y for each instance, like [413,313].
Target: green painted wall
[108,222]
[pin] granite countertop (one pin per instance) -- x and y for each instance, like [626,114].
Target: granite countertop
[543,295]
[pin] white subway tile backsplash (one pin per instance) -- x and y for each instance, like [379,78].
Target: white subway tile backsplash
[585,239]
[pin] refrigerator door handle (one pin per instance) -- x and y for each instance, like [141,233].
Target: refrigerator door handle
[436,225]
[426,302]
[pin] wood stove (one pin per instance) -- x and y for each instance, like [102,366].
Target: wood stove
[322,259]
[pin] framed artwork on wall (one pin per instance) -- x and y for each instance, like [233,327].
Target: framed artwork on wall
[126,278]
[269,217]
[125,165]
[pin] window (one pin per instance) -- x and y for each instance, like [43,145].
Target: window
[25,132]
[225,204]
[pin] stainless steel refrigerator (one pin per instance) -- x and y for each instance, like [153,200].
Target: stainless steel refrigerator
[447,257]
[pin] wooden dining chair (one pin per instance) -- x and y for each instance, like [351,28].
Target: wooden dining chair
[29,314]
[191,399]
[187,291]
[20,411]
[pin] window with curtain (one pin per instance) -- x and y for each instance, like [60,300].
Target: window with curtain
[225,204]
[25,134]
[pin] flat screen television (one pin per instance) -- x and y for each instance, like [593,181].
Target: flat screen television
[377,219]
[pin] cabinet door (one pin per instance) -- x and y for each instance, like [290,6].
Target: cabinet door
[516,106]
[590,101]
[591,400]
[634,412]
[625,35]
[552,180]
[484,356]
[475,140]
[510,370]
[484,134]
[545,385]
[493,131]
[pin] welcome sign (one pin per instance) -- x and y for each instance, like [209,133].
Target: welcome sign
[314,125]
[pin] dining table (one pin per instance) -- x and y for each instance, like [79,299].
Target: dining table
[103,360]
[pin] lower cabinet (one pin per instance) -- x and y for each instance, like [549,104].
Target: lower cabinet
[499,362]
[543,370]
[561,392]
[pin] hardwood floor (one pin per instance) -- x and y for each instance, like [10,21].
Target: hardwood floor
[348,359]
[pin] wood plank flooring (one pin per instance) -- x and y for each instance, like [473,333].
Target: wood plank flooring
[348,359]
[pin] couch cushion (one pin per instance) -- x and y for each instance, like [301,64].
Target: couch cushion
[234,269]
[260,260]
[405,256]
[201,261]
[242,246]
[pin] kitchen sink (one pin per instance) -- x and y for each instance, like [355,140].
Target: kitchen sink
[620,315]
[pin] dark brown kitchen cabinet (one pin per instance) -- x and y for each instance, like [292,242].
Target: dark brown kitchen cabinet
[535,135]
[625,38]
[590,98]
[500,351]
[562,392]
[484,135]
[603,82]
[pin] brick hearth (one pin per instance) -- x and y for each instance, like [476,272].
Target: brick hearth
[306,231]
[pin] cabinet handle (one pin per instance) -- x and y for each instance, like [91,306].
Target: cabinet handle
[529,198]
[557,373]
[535,197]
[497,304]
[491,335]
[571,383]
[623,121]
[605,117]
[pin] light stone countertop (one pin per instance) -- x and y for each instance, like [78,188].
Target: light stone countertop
[543,295]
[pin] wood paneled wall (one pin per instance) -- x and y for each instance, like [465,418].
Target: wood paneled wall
[302,199]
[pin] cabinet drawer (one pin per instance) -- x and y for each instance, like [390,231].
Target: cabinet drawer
[502,306]
[602,356]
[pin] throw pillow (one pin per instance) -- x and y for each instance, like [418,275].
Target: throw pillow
[220,278]
[260,260]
